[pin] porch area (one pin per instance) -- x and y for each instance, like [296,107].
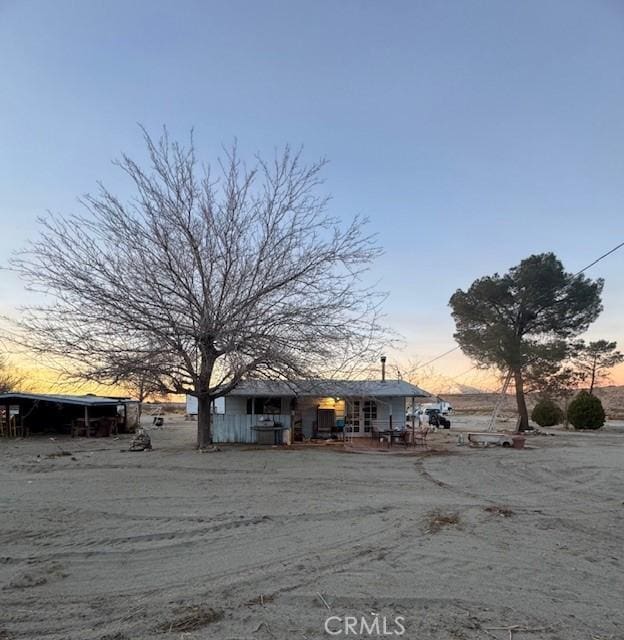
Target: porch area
[286,419]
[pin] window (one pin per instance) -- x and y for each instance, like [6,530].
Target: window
[264,406]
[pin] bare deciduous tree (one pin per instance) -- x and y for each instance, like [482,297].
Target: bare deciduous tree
[10,379]
[595,359]
[141,386]
[199,282]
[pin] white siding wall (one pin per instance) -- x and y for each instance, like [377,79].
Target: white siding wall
[238,428]
[383,411]
[398,411]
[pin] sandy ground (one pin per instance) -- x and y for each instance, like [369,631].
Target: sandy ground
[267,543]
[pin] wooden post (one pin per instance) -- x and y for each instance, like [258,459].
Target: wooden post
[413,422]
[253,417]
[7,418]
[86,419]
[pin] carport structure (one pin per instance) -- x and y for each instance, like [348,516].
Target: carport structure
[22,414]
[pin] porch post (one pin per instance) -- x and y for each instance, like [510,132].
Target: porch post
[253,419]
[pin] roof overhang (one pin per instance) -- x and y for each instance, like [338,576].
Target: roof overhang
[84,401]
[329,388]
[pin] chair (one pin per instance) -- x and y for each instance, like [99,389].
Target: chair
[378,432]
[404,437]
[420,437]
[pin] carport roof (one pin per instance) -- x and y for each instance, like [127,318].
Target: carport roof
[85,401]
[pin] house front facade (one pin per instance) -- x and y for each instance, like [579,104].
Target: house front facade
[314,409]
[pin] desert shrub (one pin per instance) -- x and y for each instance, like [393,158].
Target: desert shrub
[586,411]
[546,413]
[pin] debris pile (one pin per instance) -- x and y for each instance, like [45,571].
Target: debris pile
[141,441]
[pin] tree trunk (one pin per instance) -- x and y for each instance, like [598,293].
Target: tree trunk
[204,421]
[523,424]
[204,400]
[593,378]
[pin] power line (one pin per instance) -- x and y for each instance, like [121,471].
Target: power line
[597,260]
[424,364]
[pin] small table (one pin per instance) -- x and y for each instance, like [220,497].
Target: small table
[392,434]
[270,433]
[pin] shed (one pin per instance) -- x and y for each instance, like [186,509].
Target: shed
[22,414]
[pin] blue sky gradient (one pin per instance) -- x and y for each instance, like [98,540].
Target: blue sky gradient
[470,133]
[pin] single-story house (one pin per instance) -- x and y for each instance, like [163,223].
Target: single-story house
[314,408]
[22,414]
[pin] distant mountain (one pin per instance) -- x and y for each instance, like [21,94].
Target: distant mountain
[454,388]
[482,402]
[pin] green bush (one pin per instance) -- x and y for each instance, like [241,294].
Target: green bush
[586,412]
[546,413]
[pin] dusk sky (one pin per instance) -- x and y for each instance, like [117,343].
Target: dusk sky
[472,134]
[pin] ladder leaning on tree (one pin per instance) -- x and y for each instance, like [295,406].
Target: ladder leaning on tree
[499,402]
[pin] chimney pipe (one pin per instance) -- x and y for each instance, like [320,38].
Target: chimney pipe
[383,368]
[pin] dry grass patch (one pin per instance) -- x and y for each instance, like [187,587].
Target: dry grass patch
[437,521]
[190,619]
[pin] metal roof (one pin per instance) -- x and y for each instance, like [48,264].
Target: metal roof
[336,388]
[62,399]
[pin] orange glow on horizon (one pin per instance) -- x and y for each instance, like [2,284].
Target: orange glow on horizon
[39,379]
